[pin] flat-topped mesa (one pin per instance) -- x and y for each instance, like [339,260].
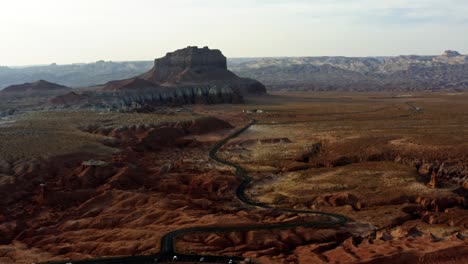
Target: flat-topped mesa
[190,65]
[192,57]
[186,76]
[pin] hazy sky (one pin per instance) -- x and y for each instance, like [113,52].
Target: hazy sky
[65,31]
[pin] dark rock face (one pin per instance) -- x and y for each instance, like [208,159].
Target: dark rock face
[190,65]
[146,98]
[193,57]
[246,86]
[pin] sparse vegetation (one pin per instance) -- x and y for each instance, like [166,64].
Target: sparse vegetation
[47,134]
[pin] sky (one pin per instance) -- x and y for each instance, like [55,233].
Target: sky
[71,31]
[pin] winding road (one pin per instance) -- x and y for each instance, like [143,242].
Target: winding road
[167,250]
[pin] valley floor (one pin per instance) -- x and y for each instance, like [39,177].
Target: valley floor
[81,185]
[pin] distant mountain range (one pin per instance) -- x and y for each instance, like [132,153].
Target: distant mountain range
[74,75]
[410,72]
[446,71]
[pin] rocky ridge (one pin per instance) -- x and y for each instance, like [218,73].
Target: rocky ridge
[28,96]
[38,87]
[401,73]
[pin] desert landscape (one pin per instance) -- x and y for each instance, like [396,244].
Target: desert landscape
[235,132]
[113,184]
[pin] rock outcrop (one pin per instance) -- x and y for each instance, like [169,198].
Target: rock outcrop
[190,65]
[185,76]
[451,54]
[197,67]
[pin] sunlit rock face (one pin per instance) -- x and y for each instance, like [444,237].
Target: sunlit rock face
[187,76]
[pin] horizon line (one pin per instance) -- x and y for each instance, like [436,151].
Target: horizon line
[228,58]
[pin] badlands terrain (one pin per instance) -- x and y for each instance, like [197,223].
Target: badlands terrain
[80,184]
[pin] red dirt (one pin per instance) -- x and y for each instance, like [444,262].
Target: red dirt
[128,84]
[69,98]
[162,180]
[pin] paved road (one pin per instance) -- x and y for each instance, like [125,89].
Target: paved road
[167,251]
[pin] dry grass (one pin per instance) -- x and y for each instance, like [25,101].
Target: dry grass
[47,134]
[367,181]
[358,118]
[357,126]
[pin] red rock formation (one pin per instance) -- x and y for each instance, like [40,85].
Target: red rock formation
[162,137]
[207,125]
[153,137]
[433,183]
[93,173]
